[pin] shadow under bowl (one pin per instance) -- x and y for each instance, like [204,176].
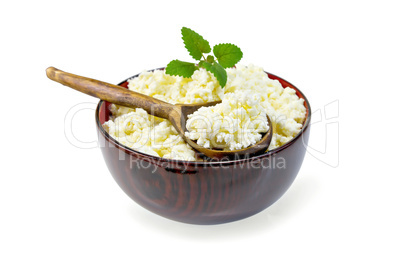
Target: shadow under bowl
[204,192]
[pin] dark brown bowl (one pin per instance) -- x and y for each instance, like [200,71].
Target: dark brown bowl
[204,192]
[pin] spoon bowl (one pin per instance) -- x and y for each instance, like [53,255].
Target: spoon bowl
[177,114]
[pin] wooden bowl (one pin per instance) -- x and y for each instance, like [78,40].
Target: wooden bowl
[204,192]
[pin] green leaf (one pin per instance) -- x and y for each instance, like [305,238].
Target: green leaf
[181,68]
[217,70]
[210,59]
[227,54]
[195,43]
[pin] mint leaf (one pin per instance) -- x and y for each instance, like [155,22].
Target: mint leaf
[217,70]
[195,43]
[227,54]
[181,68]
[210,59]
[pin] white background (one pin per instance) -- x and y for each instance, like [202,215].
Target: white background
[60,207]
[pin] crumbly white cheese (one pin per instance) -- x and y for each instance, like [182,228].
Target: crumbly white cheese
[248,92]
[148,134]
[285,109]
[200,88]
[234,124]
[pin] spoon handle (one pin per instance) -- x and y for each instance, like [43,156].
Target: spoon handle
[111,93]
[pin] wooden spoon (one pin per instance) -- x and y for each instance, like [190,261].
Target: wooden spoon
[176,114]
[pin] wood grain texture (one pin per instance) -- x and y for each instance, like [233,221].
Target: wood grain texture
[176,114]
[113,93]
[204,192]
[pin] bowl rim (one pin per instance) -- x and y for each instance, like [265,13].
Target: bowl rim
[158,159]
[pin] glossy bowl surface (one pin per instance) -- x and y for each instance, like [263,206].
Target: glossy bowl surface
[204,192]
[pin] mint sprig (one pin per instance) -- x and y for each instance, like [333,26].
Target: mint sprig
[227,55]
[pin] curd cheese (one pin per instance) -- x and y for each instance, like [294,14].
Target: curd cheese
[237,122]
[145,133]
[234,124]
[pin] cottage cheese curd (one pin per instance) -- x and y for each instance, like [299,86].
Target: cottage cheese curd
[145,133]
[234,124]
[237,122]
